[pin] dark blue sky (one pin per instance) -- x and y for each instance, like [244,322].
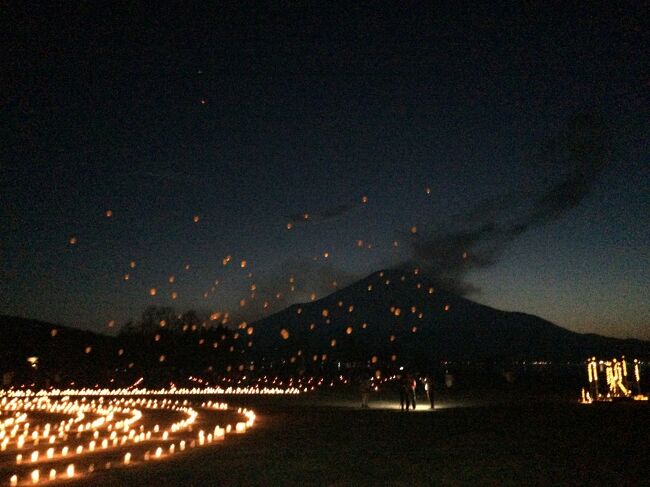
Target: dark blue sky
[247,118]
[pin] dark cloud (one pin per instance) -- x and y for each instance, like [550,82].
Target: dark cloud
[574,158]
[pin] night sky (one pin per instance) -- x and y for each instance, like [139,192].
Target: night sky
[503,150]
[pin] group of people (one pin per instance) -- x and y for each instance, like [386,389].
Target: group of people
[407,384]
[407,387]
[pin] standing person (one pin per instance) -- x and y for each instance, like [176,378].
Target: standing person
[403,394]
[427,381]
[364,388]
[410,391]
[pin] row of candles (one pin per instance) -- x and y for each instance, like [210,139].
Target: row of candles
[115,427]
[194,391]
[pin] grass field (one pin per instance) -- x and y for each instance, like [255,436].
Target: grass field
[324,439]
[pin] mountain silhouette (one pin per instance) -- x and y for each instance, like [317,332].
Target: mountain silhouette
[389,319]
[400,315]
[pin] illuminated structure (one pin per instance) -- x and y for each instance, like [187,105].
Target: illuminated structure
[616,384]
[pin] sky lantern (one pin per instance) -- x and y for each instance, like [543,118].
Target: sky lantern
[446,307]
[108,213]
[364,199]
[126,277]
[54,332]
[348,330]
[88,349]
[289,226]
[132,264]
[152,291]
[111,323]
[243,264]
[427,190]
[196,218]
[414,229]
[284,333]
[72,240]
[374,359]
[333,342]
[171,279]
[174,295]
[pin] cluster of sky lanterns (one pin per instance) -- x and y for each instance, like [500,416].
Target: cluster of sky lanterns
[52,437]
[329,312]
[285,332]
[154,291]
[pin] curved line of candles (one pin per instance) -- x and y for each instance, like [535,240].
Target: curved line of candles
[46,438]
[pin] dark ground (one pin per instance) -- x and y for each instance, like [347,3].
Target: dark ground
[323,439]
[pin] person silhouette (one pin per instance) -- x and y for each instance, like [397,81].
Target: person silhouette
[403,392]
[365,386]
[427,381]
[411,384]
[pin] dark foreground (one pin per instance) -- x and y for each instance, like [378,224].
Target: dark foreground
[326,440]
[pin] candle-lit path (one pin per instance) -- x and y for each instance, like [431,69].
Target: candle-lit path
[59,437]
